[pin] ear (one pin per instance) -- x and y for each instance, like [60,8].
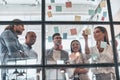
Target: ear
[25,37]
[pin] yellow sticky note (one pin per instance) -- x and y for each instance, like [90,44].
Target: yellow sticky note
[102,4]
[77,18]
[87,31]
[49,13]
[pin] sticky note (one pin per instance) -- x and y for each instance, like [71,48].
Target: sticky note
[77,18]
[49,38]
[91,12]
[104,13]
[95,56]
[52,1]
[58,8]
[49,7]
[73,31]
[103,44]
[102,4]
[68,4]
[99,9]
[49,14]
[60,62]
[64,35]
[56,29]
[103,18]
[87,31]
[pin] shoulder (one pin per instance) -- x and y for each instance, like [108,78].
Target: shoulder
[65,52]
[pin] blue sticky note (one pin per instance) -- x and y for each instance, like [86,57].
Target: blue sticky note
[58,8]
[56,29]
[52,1]
[49,38]
[104,13]
[91,12]
[64,35]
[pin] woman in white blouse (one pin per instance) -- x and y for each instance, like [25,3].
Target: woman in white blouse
[77,57]
[100,53]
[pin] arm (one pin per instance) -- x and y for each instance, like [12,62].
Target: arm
[81,70]
[87,50]
[12,44]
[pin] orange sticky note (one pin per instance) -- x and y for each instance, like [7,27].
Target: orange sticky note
[68,4]
[73,31]
[49,14]
[77,18]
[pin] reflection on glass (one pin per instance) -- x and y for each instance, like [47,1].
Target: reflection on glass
[22,74]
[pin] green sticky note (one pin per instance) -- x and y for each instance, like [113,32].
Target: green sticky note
[64,35]
[52,1]
[91,12]
[99,9]
[49,38]
[56,29]
[58,8]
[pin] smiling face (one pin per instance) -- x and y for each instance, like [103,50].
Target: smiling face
[75,46]
[30,38]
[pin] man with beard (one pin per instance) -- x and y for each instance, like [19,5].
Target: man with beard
[10,47]
[53,56]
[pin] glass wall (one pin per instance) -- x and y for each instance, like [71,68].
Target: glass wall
[73,20]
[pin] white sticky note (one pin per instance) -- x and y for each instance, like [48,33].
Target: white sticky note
[66,75]
[60,62]
[95,56]
[103,44]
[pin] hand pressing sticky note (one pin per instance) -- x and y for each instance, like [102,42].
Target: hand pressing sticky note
[103,44]
[87,31]
[103,4]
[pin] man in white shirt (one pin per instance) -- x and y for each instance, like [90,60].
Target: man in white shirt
[56,55]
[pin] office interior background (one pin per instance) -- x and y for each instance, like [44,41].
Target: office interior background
[69,18]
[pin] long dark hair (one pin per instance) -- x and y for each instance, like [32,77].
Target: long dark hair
[103,29]
[80,50]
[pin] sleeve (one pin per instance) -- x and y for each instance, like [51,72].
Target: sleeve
[12,44]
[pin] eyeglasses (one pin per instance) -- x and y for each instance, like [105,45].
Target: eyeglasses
[57,38]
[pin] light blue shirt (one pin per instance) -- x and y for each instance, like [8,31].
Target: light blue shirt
[30,53]
[9,46]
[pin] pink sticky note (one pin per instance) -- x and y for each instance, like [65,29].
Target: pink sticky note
[68,4]
[73,31]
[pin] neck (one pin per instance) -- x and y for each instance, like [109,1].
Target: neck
[29,45]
